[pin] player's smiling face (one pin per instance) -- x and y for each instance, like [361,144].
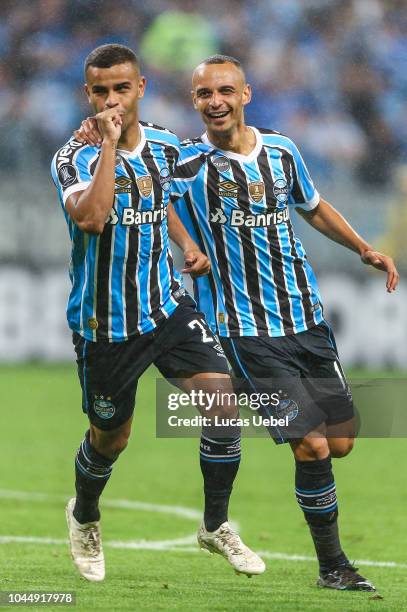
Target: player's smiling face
[119,86]
[219,94]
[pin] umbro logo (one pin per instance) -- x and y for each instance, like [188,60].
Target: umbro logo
[228,189]
[122,184]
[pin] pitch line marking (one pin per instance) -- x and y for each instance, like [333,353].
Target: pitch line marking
[175,545]
[180,511]
[165,546]
[126,504]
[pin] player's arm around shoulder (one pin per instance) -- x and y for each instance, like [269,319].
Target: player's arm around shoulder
[190,161]
[327,220]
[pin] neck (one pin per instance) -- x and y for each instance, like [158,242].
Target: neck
[242,140]
[131,137]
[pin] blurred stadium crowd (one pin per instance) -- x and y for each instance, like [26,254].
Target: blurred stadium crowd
[329,73]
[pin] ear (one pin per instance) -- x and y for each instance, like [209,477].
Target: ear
[141,86]
[87,91]
[193,96]
[247,94]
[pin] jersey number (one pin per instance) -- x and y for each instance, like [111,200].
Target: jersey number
[197,323]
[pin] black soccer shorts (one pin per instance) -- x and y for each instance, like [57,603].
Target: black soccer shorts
[302,369]
[109,371]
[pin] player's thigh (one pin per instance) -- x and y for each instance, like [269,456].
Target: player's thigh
[186,346]
[268,369]
[327,384]
[191,357]
[108,373]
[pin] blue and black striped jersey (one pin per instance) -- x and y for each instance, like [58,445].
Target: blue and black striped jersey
[237,208]
[123,280]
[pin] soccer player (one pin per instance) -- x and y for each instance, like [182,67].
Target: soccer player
[239,185]
[127,307]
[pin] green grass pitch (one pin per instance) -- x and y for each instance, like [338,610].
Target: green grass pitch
[41,425]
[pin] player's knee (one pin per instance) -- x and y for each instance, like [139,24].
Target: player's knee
[340,447]
[310,448]
[117,446]
[226,408]
[109,443]
[227,411]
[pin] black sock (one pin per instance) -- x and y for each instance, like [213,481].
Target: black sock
[316,494]
[92,472]
[219,460]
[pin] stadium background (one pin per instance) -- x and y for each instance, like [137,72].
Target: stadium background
[332,76]
[329,74]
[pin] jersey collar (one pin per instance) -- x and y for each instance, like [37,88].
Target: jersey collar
[139,147]
[238,156]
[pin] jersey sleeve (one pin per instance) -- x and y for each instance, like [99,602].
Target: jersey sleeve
[172,153]
[303,192]
[70,168]
[189,163]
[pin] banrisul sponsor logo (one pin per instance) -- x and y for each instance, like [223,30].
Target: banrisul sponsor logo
[130,216]
[218,216]
[113,217]
[240,218]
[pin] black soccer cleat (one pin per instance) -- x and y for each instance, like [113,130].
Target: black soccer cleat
[345,578]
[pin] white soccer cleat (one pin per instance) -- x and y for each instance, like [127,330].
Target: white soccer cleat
[86,546]
[226,542]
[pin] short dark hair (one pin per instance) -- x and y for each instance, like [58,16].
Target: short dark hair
[106,56]
[223,59]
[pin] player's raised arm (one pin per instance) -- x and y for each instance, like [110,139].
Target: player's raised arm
[90,208]
[327,220]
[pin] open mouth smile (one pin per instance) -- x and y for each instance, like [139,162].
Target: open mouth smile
[218,114]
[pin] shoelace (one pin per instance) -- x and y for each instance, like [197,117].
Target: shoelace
[348,572]
[231,539]
[91,540]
